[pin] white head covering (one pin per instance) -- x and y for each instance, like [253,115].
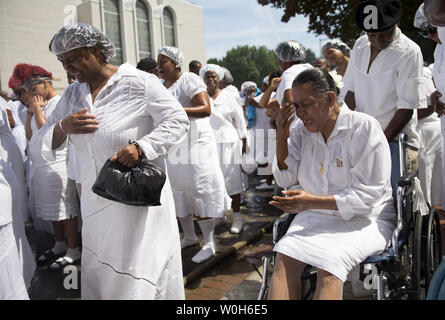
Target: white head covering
[246,85]
[420,18]
[80,35]
[290,50]
[337,44]
[227,76]
[266,80]
[173,53]
[211,67]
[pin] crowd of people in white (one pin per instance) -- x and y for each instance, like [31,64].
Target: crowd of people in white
[323,137]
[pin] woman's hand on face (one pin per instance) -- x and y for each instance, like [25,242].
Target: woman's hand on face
[275,83]
[37,103]
[284,119]
[295,202]
[128,156]
[80,123]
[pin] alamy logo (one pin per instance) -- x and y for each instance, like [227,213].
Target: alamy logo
[371,20]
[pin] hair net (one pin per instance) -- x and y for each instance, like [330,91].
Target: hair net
[290,50]
[227,76]
[337,44]
[420,18]
[266,80]
[80,35]
[212,67]
[173,53]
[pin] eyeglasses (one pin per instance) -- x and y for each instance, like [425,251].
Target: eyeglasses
[425,30]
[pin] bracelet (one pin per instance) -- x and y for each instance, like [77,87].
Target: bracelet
[61,128]
[138,147]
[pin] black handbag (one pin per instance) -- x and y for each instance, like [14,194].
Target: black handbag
[138,186]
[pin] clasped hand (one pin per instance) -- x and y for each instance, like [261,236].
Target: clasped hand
[295,202]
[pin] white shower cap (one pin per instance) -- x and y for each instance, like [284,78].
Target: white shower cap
[173,53]
[80,35]
[290,50]
[212,67]
[419,18]
[247,85]
[337,44]
[227,76]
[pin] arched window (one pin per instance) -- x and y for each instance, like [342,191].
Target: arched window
[113,28]
[143,29]
[169,28]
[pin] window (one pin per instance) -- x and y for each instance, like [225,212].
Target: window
[113,28]
[169,28]
[143,30]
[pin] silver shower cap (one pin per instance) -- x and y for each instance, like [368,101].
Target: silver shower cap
[337,44]
[211,67]
[420,19]
[227,76]
[80,35]
[290,50]
[173,53]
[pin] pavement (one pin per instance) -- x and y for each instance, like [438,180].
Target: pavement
[232,274]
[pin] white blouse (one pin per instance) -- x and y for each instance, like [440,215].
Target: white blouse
[353,165]
[227,118]
[133,105]
[394,81]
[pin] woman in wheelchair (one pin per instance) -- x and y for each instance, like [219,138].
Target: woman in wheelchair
[341,161]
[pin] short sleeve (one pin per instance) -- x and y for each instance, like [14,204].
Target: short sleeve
[194,85]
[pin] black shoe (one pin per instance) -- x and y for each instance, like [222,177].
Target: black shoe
[50,257]
[61,263]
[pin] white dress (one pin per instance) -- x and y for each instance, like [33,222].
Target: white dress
[431,150]
[198,187]
[353,167]
[227,121]
[439,81]
[12,285]
[128,252]
[54,199]
[19,112]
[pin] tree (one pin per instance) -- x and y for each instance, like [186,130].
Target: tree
[336,19]
[248,63]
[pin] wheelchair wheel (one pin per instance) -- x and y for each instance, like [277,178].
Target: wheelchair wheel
[433,252]
[417,276]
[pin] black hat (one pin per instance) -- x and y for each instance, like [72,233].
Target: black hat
[378,15]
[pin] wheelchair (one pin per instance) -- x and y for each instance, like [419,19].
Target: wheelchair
[401,272]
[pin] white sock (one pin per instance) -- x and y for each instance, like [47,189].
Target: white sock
[209,247]
[188,228]
[237,224]
[72,254]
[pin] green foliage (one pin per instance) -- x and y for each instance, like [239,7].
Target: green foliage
[250,63]
[336,19]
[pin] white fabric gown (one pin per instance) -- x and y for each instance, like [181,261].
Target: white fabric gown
[353,167]
[128,252]
[199,186]
[227,121]
[54,200]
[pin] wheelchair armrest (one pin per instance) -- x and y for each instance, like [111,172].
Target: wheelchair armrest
[407,180]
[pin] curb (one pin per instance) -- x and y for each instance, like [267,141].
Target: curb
[227,252]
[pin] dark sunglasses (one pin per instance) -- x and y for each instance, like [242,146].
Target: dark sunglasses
[425,30]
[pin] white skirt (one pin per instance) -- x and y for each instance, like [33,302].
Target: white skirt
[329,243]
[196,177]
[55,199]
[12,285]
[230,161]
[130,252]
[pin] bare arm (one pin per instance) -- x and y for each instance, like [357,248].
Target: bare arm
[397,123]
[200,106]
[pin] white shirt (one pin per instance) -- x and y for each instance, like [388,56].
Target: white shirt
[235,92]
[227,119]
[395,81]
[287,79]
[132,105]
[352,165]
[439,64]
